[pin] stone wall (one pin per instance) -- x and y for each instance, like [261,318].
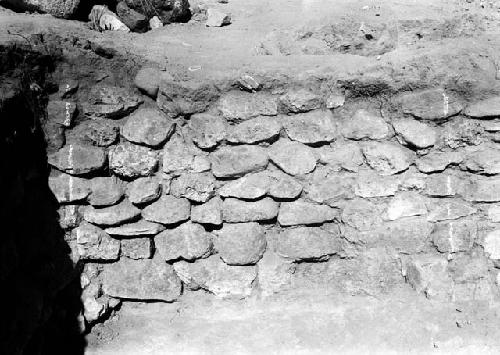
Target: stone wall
[174,186]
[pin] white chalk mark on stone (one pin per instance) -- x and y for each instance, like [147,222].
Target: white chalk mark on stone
[445,104]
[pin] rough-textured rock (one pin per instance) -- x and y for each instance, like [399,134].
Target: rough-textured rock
[362,214]
[300,100]
[428,274]
[438,161]
[100,132]
[312,127]
[308,243]
[144,190]
[69,216]
[494,213]
[58,8]
[482,190]
[177,157]
[485,160]
[240,243]
[365,125]
[168,210]
[95,244]
[283,186]
[105,191]
[487,108]
[208,130]
[276,184]
[148,80]
[236,106]
[335,100]
[255,130]
[491,244]
[148,126]
[342,155]
[201,164]
[248,83]
[371,184]
[234,210]
[189,241]
[68,87]
[61,112]
[131,161]
[110,102]
[134,20]
[443,185]
[177,98]
[250,186]
[103,19]
[432,104]
[238,161]
[454,236]
[113,215]
[450,210]
[406,204]
[131,230]
[197,187]
[408,235]
[147,279]
[301,212]
[387,158]
[166,10]
[137,248]
[462,132]
[274,273]
[216,18]
[414,133]
[215,276]
[78,159]
[293,157]
[67,188]
[155,22]
[329,189]
[208,213]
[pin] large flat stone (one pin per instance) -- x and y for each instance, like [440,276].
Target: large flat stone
[168,210]
[78,159]
[415,134]
[95,244]
[365,125]
[454,236]
[429,275]
[301,212]
[105,191]
[113,215]
[431,104]
[135,229]
[487,108]
[449,210]
[146,279]
[313,127]
[67,188]
[100,132]
[329,189]
[215,276]
[234,210]
[177,156]
[484,160]
[293,157]
[208,130]
[438,161]
[406,204]
[250,186]
[254,130]
[482,190]
[362,214]
[149,127]
[236,106]
[387,158]
[240,243]
[239,160]
[300,100]
[177,98]
[189,241]
[137,248]
[371,184]
[144,190]
[308,243]
[342,155]
[208,213]
[131,161]
[110,102]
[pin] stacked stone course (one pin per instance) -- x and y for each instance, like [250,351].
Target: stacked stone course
[240,192]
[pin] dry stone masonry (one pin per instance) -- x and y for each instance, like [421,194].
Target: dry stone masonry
[197,186]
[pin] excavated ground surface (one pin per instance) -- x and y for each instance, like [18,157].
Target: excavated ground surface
[306,41]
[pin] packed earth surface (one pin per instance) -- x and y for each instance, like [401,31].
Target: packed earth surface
[288,176]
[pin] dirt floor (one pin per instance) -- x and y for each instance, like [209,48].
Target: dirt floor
[300,323]
[302,38]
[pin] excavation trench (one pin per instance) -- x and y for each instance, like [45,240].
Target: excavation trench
[139,191]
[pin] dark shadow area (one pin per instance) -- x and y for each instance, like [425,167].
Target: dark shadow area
[40,283]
